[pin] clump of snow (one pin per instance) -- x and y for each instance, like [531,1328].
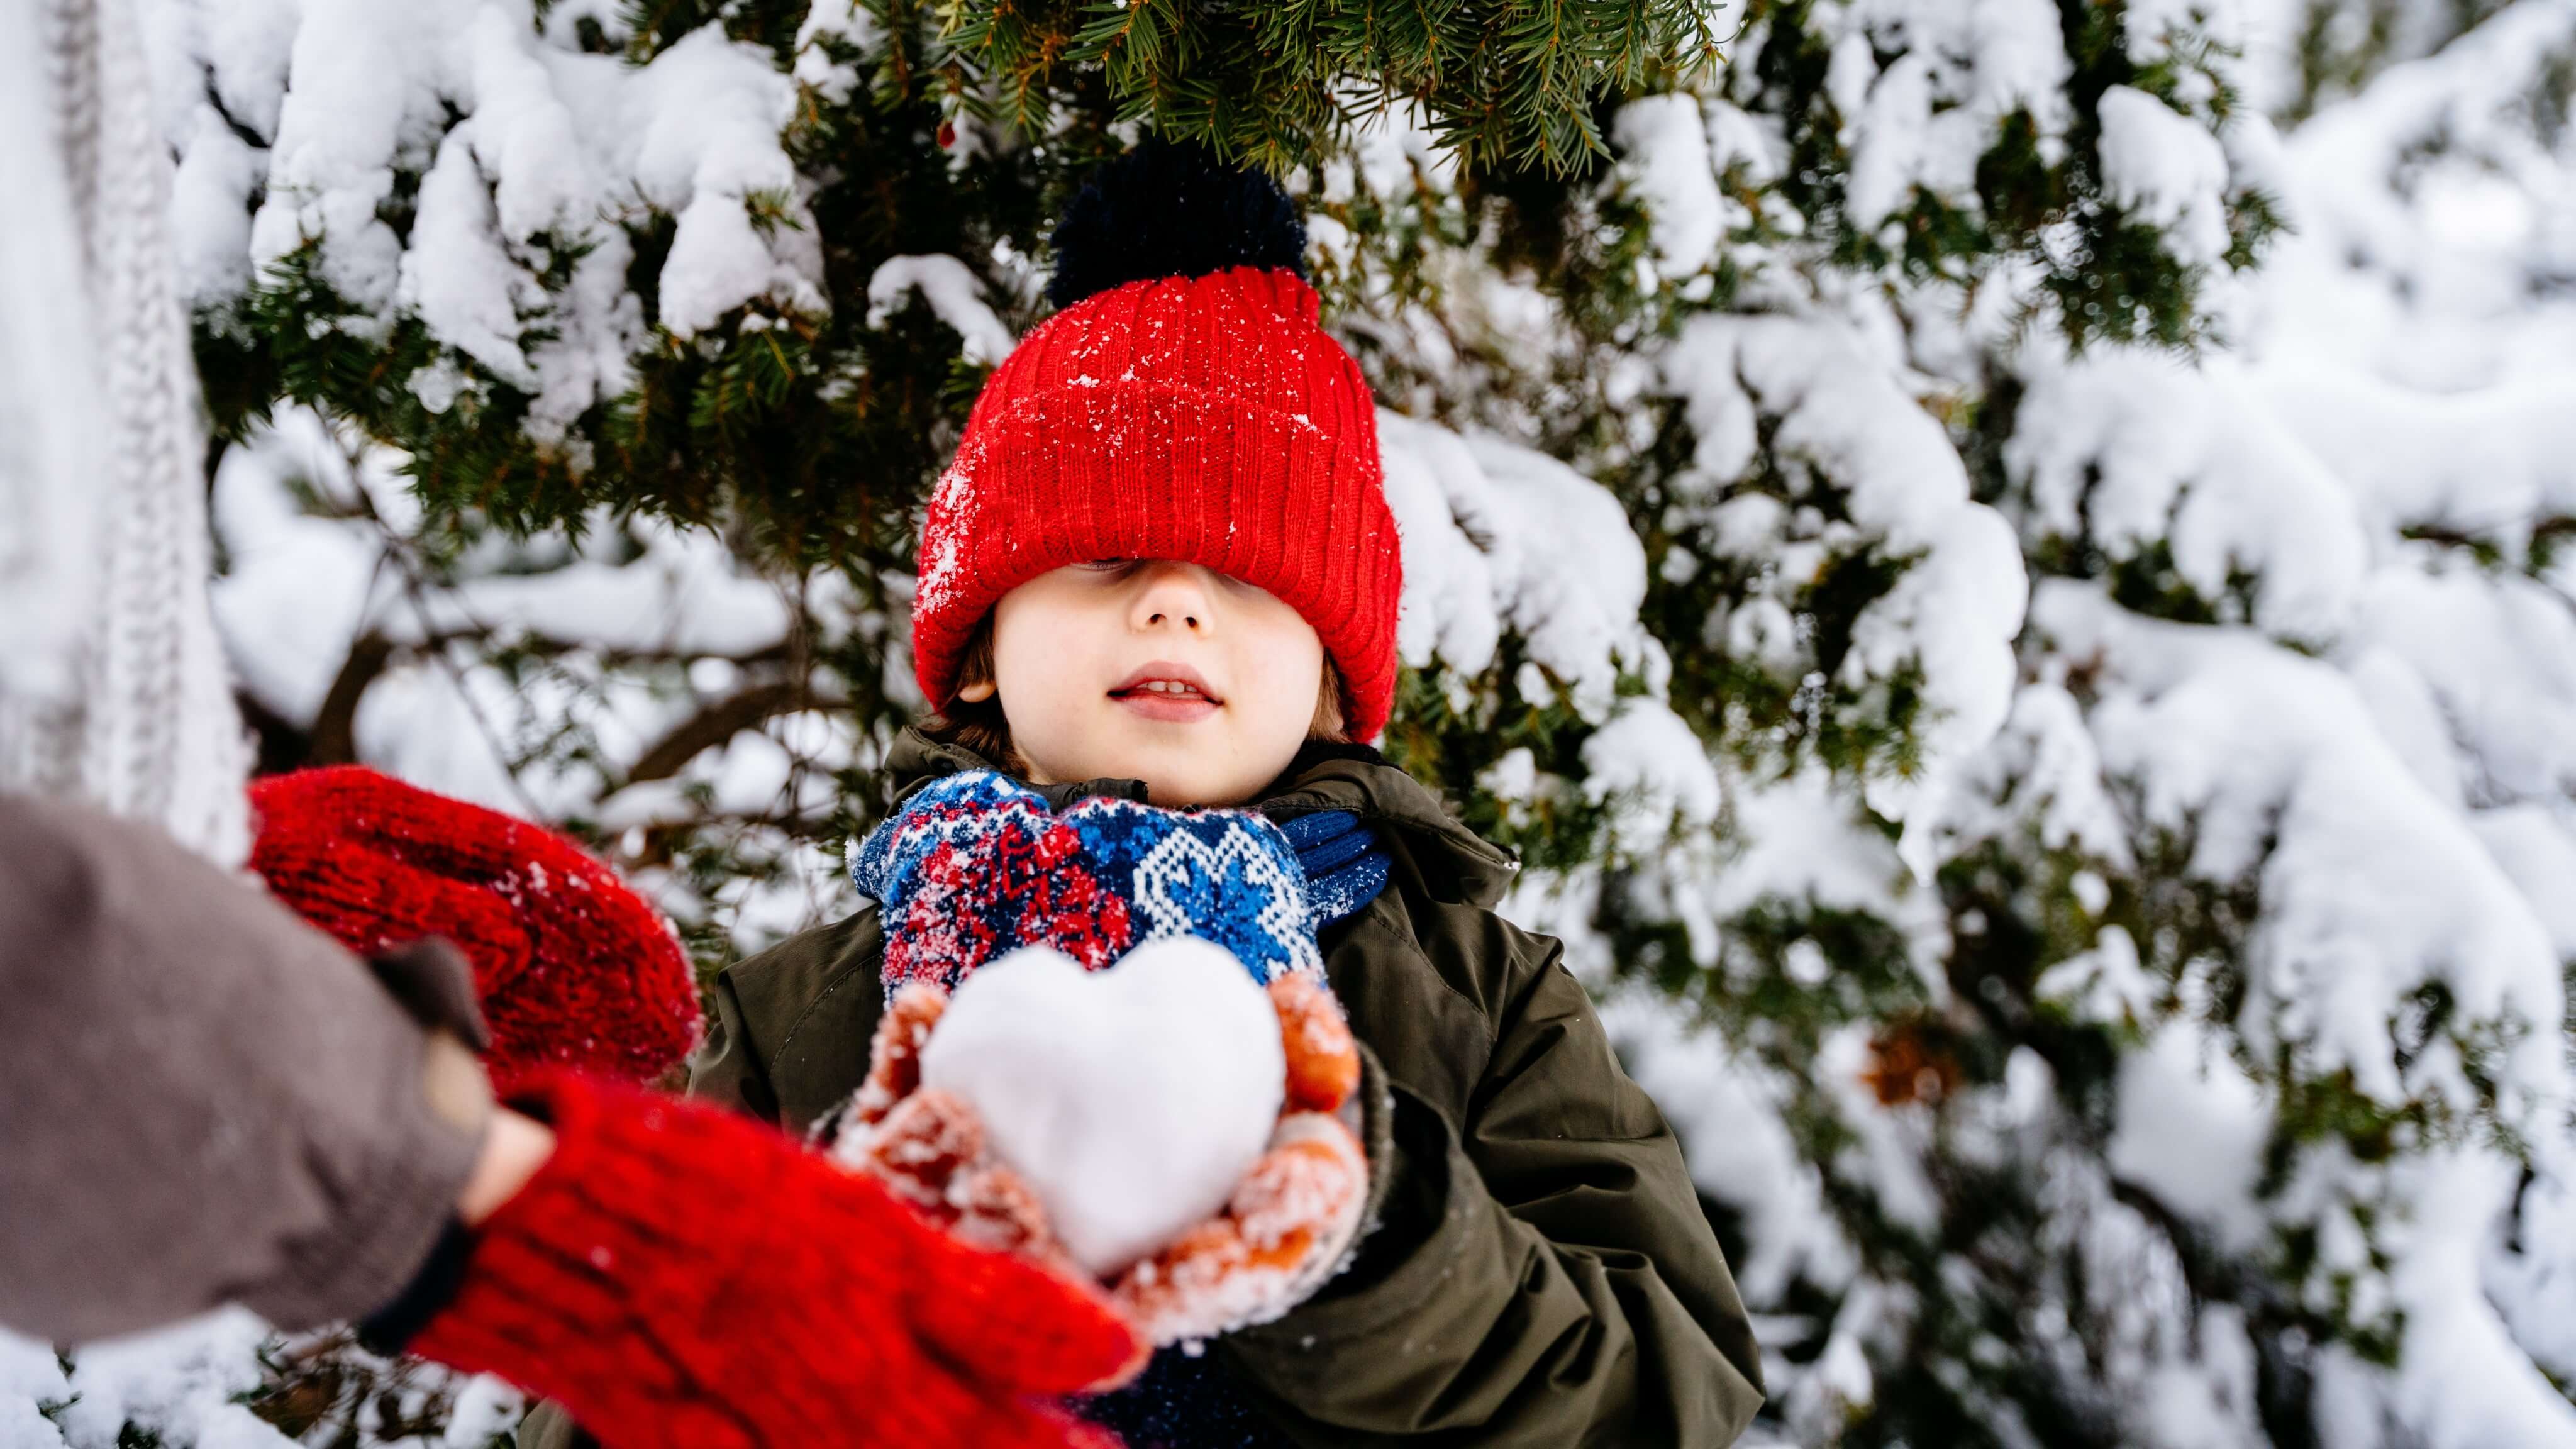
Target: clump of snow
[1664,142]
[1843,422]
[1925,118]
[1500,537]
[2460,629]
[2371,890]
[1448,609]
[2536,847]
[2166,170]
[954,295]
[2491,463]
[2454,1336]
[210,210]
[1803,839]
[712,111]
[30,1376]
[2041,770]
[1647,762]
[181,1383]
[2127,449]
[1133,1099]
[456,276]
[835,23]
[2192,1126]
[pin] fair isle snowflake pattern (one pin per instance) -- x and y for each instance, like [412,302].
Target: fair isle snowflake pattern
[1187,879]
[975,866]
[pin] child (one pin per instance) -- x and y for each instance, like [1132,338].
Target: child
[1161,569]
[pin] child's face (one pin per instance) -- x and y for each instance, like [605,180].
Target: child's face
[1200,685]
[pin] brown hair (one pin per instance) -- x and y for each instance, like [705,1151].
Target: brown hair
[978,725]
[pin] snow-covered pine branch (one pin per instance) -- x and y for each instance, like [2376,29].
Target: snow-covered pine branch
[2076,833]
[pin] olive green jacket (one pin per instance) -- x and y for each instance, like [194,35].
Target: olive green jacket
[1539,1272]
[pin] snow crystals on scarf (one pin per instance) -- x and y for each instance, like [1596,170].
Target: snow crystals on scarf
[976,865]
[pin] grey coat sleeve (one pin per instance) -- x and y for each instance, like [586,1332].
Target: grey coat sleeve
[206,1101]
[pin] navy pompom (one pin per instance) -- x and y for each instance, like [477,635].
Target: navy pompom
[1172,209]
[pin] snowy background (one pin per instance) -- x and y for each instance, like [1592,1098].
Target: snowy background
[2081,839]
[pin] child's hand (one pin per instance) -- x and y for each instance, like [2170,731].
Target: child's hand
[1295,1214]
[929,1147]
[1284,1230]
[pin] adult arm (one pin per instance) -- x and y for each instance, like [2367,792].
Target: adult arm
[206,1101]
[815,992]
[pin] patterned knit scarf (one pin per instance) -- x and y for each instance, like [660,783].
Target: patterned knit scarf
[976,865]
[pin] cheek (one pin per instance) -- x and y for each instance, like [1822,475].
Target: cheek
[1039,674]
[1290,665]
[1040,660]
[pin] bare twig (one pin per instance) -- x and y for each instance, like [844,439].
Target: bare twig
[720,721]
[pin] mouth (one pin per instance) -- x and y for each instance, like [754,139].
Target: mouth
[1166,691]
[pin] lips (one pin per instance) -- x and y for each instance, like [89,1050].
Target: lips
[1169,681]
[1167,691]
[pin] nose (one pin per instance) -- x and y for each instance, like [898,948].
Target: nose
[1173,595]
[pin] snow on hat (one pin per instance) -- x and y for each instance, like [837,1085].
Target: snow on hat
[1182,404]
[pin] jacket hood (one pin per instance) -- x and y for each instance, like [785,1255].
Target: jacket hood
[1323,776]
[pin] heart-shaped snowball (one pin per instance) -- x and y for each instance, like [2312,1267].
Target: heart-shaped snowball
[1132,1099]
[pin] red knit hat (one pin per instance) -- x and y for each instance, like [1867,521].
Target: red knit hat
[1185,411]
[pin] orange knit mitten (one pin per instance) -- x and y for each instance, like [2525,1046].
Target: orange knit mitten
[1287,1227]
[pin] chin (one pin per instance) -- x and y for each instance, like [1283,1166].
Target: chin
[1168,786]
[1177,770]
[1173,796]
[1203,789]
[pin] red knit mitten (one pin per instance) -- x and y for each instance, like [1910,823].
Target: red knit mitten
[571,966]
[681,1278]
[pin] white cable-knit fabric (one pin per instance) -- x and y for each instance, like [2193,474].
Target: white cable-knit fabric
[113,685]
